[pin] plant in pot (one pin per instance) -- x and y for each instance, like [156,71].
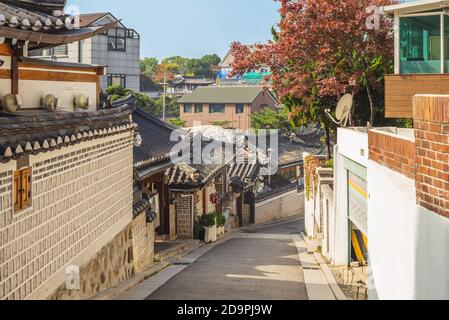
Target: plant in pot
[221,221]
[210,227]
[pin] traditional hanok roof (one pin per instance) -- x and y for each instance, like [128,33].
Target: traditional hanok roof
[33,132]
[191,80]
[156,144]
[192,175]
[223,95]
[306,140]
[266,195]
[247,171]
[43,23]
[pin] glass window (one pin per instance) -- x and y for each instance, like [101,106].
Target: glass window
[420,44]
[116,39]
[239,108]
[198,108]
[216,108]
[117,80]
[187,108]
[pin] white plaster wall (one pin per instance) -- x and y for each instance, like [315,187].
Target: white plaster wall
[5,84]
[32,91]
[353,145]
[408,245]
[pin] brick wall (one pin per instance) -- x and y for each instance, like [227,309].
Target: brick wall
[431,115]
[81,199]
[393,152]
[142,242]
[287,205]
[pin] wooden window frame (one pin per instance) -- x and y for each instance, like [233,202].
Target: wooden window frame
[22,189]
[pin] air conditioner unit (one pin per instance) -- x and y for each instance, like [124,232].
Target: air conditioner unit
[81,101]
[10,103]
[50,102]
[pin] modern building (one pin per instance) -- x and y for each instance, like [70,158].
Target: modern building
[225,106]
[387,209]
[67,228]
[118,49]
[254,78]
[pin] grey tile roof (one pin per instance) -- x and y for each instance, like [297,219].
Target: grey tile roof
[43,23]
[247,172]
[156,145]
[306,140]
[222,95]
[33,132]
[264,196]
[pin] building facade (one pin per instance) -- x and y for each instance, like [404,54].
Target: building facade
[118,49]
[67,229]
[229,107]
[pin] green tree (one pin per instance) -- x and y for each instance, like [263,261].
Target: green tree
[270,119]
[149,66]
[143,101]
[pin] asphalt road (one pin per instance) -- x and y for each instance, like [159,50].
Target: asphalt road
[263,265]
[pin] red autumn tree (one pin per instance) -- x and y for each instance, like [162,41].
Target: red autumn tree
[323,49]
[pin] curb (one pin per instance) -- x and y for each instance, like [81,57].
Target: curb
[333,284]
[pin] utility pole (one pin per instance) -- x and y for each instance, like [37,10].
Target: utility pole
[165,96]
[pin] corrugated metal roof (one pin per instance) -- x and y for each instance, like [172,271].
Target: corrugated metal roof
[222,95]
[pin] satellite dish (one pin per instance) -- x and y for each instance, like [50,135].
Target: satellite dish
[50,102]
[9,102]
[343,110]
[81,101]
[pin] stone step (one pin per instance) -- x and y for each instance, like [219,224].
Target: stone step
[179,249]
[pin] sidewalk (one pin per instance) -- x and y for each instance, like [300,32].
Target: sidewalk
[320,282]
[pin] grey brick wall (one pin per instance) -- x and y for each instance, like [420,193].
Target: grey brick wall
[285,206]
[81,199]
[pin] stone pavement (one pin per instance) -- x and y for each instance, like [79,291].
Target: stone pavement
[258,263]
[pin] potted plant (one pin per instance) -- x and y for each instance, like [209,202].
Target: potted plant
[221,221]
[209,225]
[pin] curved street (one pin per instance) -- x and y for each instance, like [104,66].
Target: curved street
[254,264]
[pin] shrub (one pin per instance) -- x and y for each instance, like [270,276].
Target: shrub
[176,122]
[221,220]
[208,220]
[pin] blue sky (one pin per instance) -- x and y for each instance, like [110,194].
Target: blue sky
[190,28]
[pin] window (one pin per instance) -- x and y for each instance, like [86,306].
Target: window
[216,108]
[22,189]
[60,51]
[117,39]
[421,40]
[187,108]
[117,80]
[239,108]
[198,108]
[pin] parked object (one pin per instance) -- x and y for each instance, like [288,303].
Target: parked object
[209,225]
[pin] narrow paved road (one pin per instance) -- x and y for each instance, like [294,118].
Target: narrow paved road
[257,264]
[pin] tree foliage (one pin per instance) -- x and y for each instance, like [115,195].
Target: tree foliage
[144,101]
[270,119]
[322,49]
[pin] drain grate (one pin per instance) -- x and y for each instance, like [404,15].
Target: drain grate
[310,268]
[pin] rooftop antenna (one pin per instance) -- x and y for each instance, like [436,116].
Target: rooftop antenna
[343,110]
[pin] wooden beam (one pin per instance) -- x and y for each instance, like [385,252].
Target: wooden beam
[5,50]
[15,71]
[56,76]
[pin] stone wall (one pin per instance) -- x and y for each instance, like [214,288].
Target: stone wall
[81,200]
[284,206]
[112,265]
[246,214]
[142,242]
[184,217]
